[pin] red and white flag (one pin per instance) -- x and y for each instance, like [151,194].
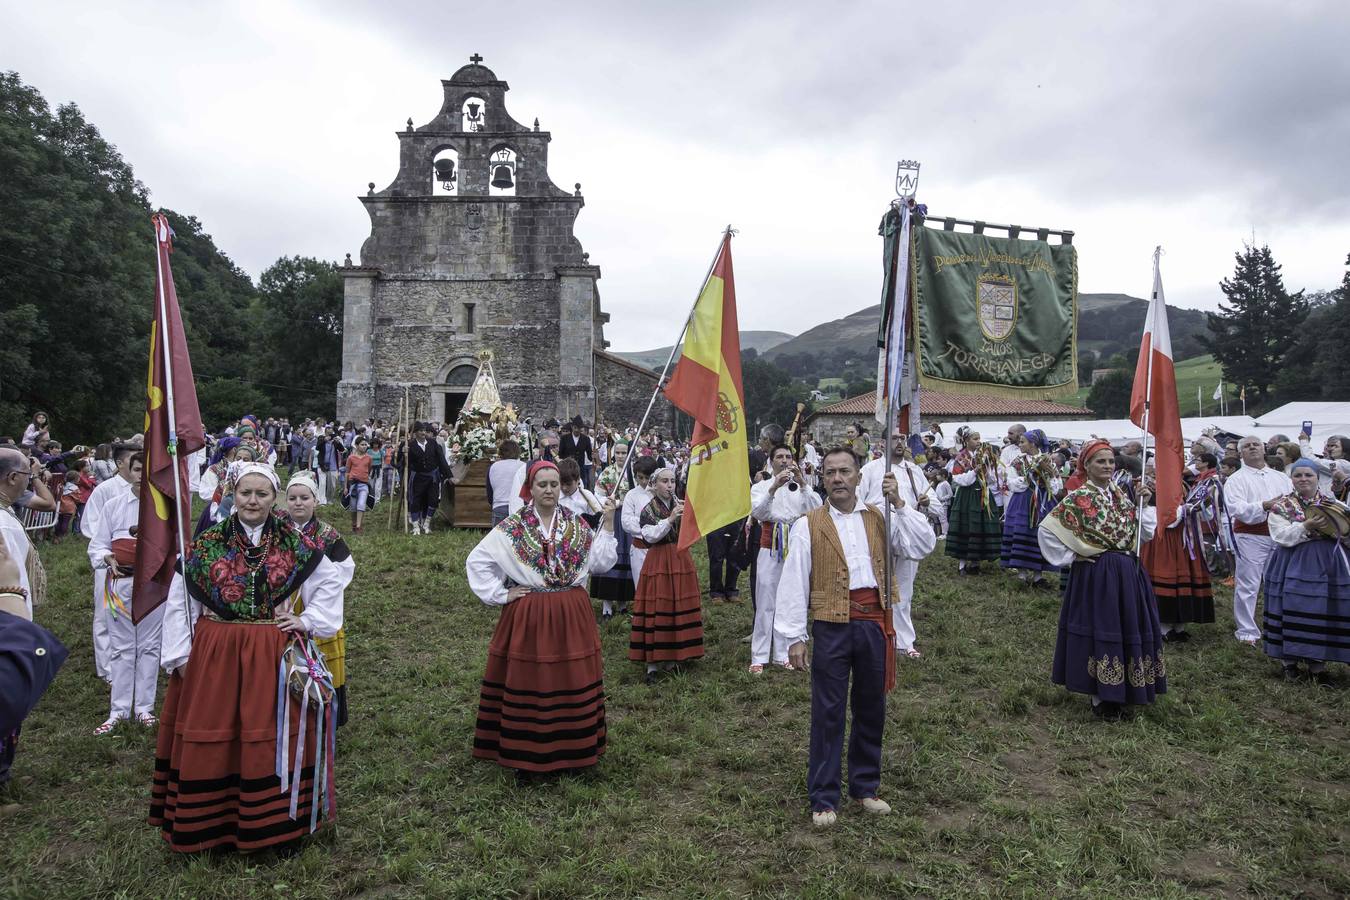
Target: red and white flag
[1153,403]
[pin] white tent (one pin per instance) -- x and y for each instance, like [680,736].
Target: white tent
[1327,418]
[1117,431]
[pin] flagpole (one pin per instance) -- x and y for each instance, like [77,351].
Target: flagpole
[173,417]
[1199,400]
[1148,403]
[628,462]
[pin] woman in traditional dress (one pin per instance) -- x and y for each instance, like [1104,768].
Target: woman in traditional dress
[1034,488]
[667,610]
[614,589]
[212,486]
[1175,558]
[1307,579]
[244,757]
[974,530]
[542,703]
[302,497]
[1110,641]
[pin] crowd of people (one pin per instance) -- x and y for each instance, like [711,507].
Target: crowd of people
[252,635]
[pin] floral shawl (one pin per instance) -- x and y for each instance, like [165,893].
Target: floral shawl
[1295,508]
[559,557]
[657,510]
[611,484]
[327,539]
[218,575]
[1105,519]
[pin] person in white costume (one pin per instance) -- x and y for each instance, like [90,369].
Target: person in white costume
[133,647]
[776,505]
[1250,492]
[117,486]
[914,490]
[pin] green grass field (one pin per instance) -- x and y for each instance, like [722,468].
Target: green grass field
[1201,372]
[1235,784]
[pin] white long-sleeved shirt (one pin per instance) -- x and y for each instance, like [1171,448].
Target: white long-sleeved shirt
[116,518]
[1059,553]
[579,502]
[1247,488]
[782,506]
[913,483]
[1018,483]
[19,546]
[911,537]
[99,496]
[494,561]
[634,502]
[1286,532]
[207,484]
[322,594]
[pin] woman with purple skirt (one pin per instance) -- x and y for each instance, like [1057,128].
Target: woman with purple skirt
[1110,640]
[1034,490]
[1307,579]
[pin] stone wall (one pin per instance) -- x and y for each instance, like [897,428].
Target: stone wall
[624,390]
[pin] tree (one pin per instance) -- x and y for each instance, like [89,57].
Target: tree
[1317,367]
[224,400]
[1110,396]
[1087,361]
[301,301]
[1253,332]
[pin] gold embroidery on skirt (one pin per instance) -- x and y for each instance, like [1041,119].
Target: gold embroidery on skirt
[1106,670]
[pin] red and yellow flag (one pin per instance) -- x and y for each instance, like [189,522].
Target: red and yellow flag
[707,385]
[173,430]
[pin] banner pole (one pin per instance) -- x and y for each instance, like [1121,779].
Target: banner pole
[628,463]
[1148,403]
[173,418]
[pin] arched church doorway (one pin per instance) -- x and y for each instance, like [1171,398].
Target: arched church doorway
[452,389]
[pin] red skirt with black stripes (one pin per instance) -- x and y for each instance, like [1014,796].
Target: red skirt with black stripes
[215,782]
[542,703]
[668,608]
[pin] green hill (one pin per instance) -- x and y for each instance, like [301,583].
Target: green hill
[1200,372]
[760,341]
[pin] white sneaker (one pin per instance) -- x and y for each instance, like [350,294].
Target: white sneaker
[824,819]
[876,806]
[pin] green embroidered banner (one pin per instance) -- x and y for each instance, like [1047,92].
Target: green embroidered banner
[995,316]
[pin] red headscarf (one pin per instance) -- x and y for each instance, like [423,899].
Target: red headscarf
[1079,476]
[532,471]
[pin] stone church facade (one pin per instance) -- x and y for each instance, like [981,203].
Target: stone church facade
[472,248]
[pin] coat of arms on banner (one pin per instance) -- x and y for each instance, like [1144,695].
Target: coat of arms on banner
[996,303]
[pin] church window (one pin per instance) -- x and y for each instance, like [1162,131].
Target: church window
[468,318]
[445,173]
[475,114]
[462,376]
[503,165]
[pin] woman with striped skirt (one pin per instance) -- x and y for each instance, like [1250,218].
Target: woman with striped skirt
[974,526]
[614,589]
[668,610]
[1034,488]
[244,758]
[542,703]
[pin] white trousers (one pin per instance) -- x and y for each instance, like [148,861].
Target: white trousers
[1252,552]
[904,571]
[133,659]
[327,481]
[100,628]
[763,646]
[635,559]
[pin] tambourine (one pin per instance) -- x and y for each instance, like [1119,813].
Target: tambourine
[1329,518]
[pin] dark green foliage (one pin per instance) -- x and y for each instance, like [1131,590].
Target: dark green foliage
[1254,331]
[771,394]
[1110,396]
[77,271]
[1317,368]
[302,327]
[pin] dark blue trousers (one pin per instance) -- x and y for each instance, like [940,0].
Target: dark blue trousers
[857,647]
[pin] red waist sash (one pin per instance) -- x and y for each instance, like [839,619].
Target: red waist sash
[864,605]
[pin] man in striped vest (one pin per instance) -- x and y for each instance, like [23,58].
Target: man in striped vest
[835,568]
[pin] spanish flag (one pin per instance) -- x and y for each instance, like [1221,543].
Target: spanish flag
[707,386]
[173,430]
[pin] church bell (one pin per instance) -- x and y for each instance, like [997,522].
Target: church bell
[445,173]
[501,177]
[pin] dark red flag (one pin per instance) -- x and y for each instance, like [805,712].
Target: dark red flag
[173,430]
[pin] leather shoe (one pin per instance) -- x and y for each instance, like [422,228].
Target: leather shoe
[825,818]
[876,806]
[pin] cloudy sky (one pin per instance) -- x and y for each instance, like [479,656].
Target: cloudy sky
[1192,125]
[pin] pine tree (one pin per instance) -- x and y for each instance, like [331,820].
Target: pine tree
[1253,332]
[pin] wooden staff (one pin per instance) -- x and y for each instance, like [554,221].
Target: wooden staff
[398,424]
[407,409]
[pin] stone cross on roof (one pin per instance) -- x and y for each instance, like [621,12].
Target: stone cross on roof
[475,59]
